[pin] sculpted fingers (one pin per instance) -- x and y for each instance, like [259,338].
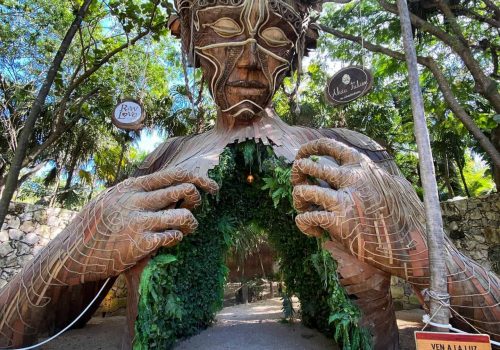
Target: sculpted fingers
[160,179]
[342,153]
[305,197]
[169,177]
[151,241]
[313,223]
[172,219]
[185,193]
[335,176]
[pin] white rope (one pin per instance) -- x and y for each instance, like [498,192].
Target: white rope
[427,320]
[443,300]
[71,324]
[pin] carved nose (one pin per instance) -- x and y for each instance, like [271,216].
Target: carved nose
[249,59]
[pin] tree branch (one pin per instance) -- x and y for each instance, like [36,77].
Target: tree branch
[36,108]
[31,171]
[491,5]
[474,15]
[85,75]
[484,85]
[61,129]
[444,86]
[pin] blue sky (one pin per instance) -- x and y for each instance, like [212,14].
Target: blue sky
[150,139]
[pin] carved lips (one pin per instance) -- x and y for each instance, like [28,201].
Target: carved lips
[248,88]
[250,84]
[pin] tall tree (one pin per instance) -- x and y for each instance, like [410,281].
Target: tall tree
[22,143]
[74,82]
[438,286]
[458,44]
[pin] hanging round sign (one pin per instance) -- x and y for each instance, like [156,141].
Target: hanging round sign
[348,84]
[128,114]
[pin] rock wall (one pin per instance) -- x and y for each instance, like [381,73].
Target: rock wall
[26,230]
[474,226]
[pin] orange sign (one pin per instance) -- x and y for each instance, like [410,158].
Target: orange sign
[451,341]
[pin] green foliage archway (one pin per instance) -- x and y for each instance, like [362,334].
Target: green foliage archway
[182,288]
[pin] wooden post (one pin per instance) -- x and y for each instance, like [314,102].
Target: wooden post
[434,221]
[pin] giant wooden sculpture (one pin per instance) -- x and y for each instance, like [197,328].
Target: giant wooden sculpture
[374,219]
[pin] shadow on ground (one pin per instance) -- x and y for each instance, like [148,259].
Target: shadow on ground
[253,326]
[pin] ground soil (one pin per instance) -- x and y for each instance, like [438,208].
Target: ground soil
[254,326]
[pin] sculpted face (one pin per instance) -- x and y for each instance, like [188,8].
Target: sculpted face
[245,48]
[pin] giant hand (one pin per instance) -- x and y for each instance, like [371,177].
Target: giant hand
[375,215]
[378,218]
[130,221]
[116,230]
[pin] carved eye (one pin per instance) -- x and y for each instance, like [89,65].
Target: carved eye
[275,37]
[225,27]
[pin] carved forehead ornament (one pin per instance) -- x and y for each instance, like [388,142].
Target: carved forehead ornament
[296,13]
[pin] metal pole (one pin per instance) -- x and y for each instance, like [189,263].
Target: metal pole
[438,290]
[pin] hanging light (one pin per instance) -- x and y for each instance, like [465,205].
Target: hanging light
[250,179]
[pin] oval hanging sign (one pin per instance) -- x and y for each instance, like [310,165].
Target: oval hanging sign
[348,84]
[128,114]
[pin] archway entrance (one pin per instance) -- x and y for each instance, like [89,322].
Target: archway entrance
[182,288]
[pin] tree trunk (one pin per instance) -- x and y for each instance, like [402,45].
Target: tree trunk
[261,264]
[451,193]
[92,187]
[2,177]
[22,144]
[495,139]
[438,289]
[53,198]
[461,171]
[72,165]
[119,165]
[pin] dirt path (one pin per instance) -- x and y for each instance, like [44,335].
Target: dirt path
[253,326]
[256,326]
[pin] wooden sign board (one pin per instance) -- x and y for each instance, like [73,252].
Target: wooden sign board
[128,114]
[451,341]
[348,84]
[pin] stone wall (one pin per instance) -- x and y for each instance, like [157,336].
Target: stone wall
[26,230]
[474,226]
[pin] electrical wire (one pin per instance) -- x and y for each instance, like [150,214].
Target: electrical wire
[70,325]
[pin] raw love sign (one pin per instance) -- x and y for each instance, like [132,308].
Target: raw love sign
[128,114]
[348,84]
[450,341]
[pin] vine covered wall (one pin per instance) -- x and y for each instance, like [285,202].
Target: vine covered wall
[181,289]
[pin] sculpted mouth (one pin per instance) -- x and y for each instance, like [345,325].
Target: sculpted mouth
[249,84]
